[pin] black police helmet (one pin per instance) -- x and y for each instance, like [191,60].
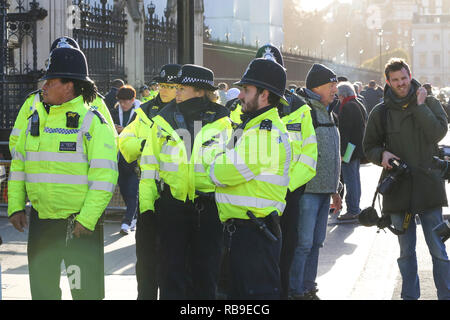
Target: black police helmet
[270,52]
[167,73]
[196,76]
[64,42]
[266,74]
[69,63]
[368,217]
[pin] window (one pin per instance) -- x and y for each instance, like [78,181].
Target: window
[436,60]
[423,60]
[422,37]
[436,37]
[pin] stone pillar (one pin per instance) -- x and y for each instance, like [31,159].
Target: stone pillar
[198,32]
[62,18]
[134,44]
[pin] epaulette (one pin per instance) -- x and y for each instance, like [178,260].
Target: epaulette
[100,95]
[98,114]
[266,125]
[38,91]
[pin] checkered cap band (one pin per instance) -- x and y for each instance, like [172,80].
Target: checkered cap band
[195,80]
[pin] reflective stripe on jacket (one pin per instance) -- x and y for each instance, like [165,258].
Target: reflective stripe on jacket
[65,170]
[253,175]
[165,159]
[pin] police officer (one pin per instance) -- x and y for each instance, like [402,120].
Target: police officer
[131,142]
[252,177]
[297,117]
[66,163]
[34,99]
[178,150]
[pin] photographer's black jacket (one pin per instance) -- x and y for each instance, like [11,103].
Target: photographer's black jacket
[412,134]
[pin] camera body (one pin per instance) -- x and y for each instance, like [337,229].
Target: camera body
[399,170]
[440,162]
[443,230]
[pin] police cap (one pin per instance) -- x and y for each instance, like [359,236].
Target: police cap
[196,76]
[266,74]
[167,73]
[69,63]
[270,52]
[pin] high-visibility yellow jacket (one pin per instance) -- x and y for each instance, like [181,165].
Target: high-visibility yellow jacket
[165,157]
[253,173]
[70,167]
[33,101]
[304,146]
[130,139]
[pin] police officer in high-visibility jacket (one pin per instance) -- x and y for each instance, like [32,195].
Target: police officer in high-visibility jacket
[181,145]
[131,142]
[66,163]
[297,117]
[34,101]
[252,177]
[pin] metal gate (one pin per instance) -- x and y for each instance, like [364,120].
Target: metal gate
[160,46]
[18,65]
[101,36]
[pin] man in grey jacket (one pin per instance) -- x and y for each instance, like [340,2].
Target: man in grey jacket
[320,93]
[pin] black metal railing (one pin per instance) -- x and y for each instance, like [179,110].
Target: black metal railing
[18,66]
[160,42]
[101,36]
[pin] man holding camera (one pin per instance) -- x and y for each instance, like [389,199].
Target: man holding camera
[407,126]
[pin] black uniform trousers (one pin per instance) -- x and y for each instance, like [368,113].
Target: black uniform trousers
[289,227]
[191,238]
[253,262]
[83,258]
[147,246]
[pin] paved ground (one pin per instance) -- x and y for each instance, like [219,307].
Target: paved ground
[356,262]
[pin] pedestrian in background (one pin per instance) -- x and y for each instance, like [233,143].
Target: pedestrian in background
[373,95]
[123,114]
[314,204]
[111,96]
[69,183]
[145,95]
[223,89]
[407,127]
[352,125]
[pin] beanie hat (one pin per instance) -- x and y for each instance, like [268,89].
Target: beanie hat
[319,75]
[126,93]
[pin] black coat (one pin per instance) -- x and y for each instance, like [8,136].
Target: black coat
[110,98]
[352,124]
[373,97]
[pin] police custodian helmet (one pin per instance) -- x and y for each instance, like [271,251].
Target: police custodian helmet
[69,63]
[270,52]
[64,42]
[266,74]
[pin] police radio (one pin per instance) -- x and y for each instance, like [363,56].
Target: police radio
[34,129]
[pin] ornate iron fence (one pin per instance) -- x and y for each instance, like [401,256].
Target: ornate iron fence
[101,36]
[160,45]
[18,65]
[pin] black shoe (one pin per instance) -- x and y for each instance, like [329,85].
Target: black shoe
[311,295]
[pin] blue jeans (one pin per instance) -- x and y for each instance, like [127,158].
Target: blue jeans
[312,229]
[407,262]
[352,181]
[128,182]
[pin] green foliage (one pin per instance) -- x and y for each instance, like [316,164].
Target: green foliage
[374,63]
